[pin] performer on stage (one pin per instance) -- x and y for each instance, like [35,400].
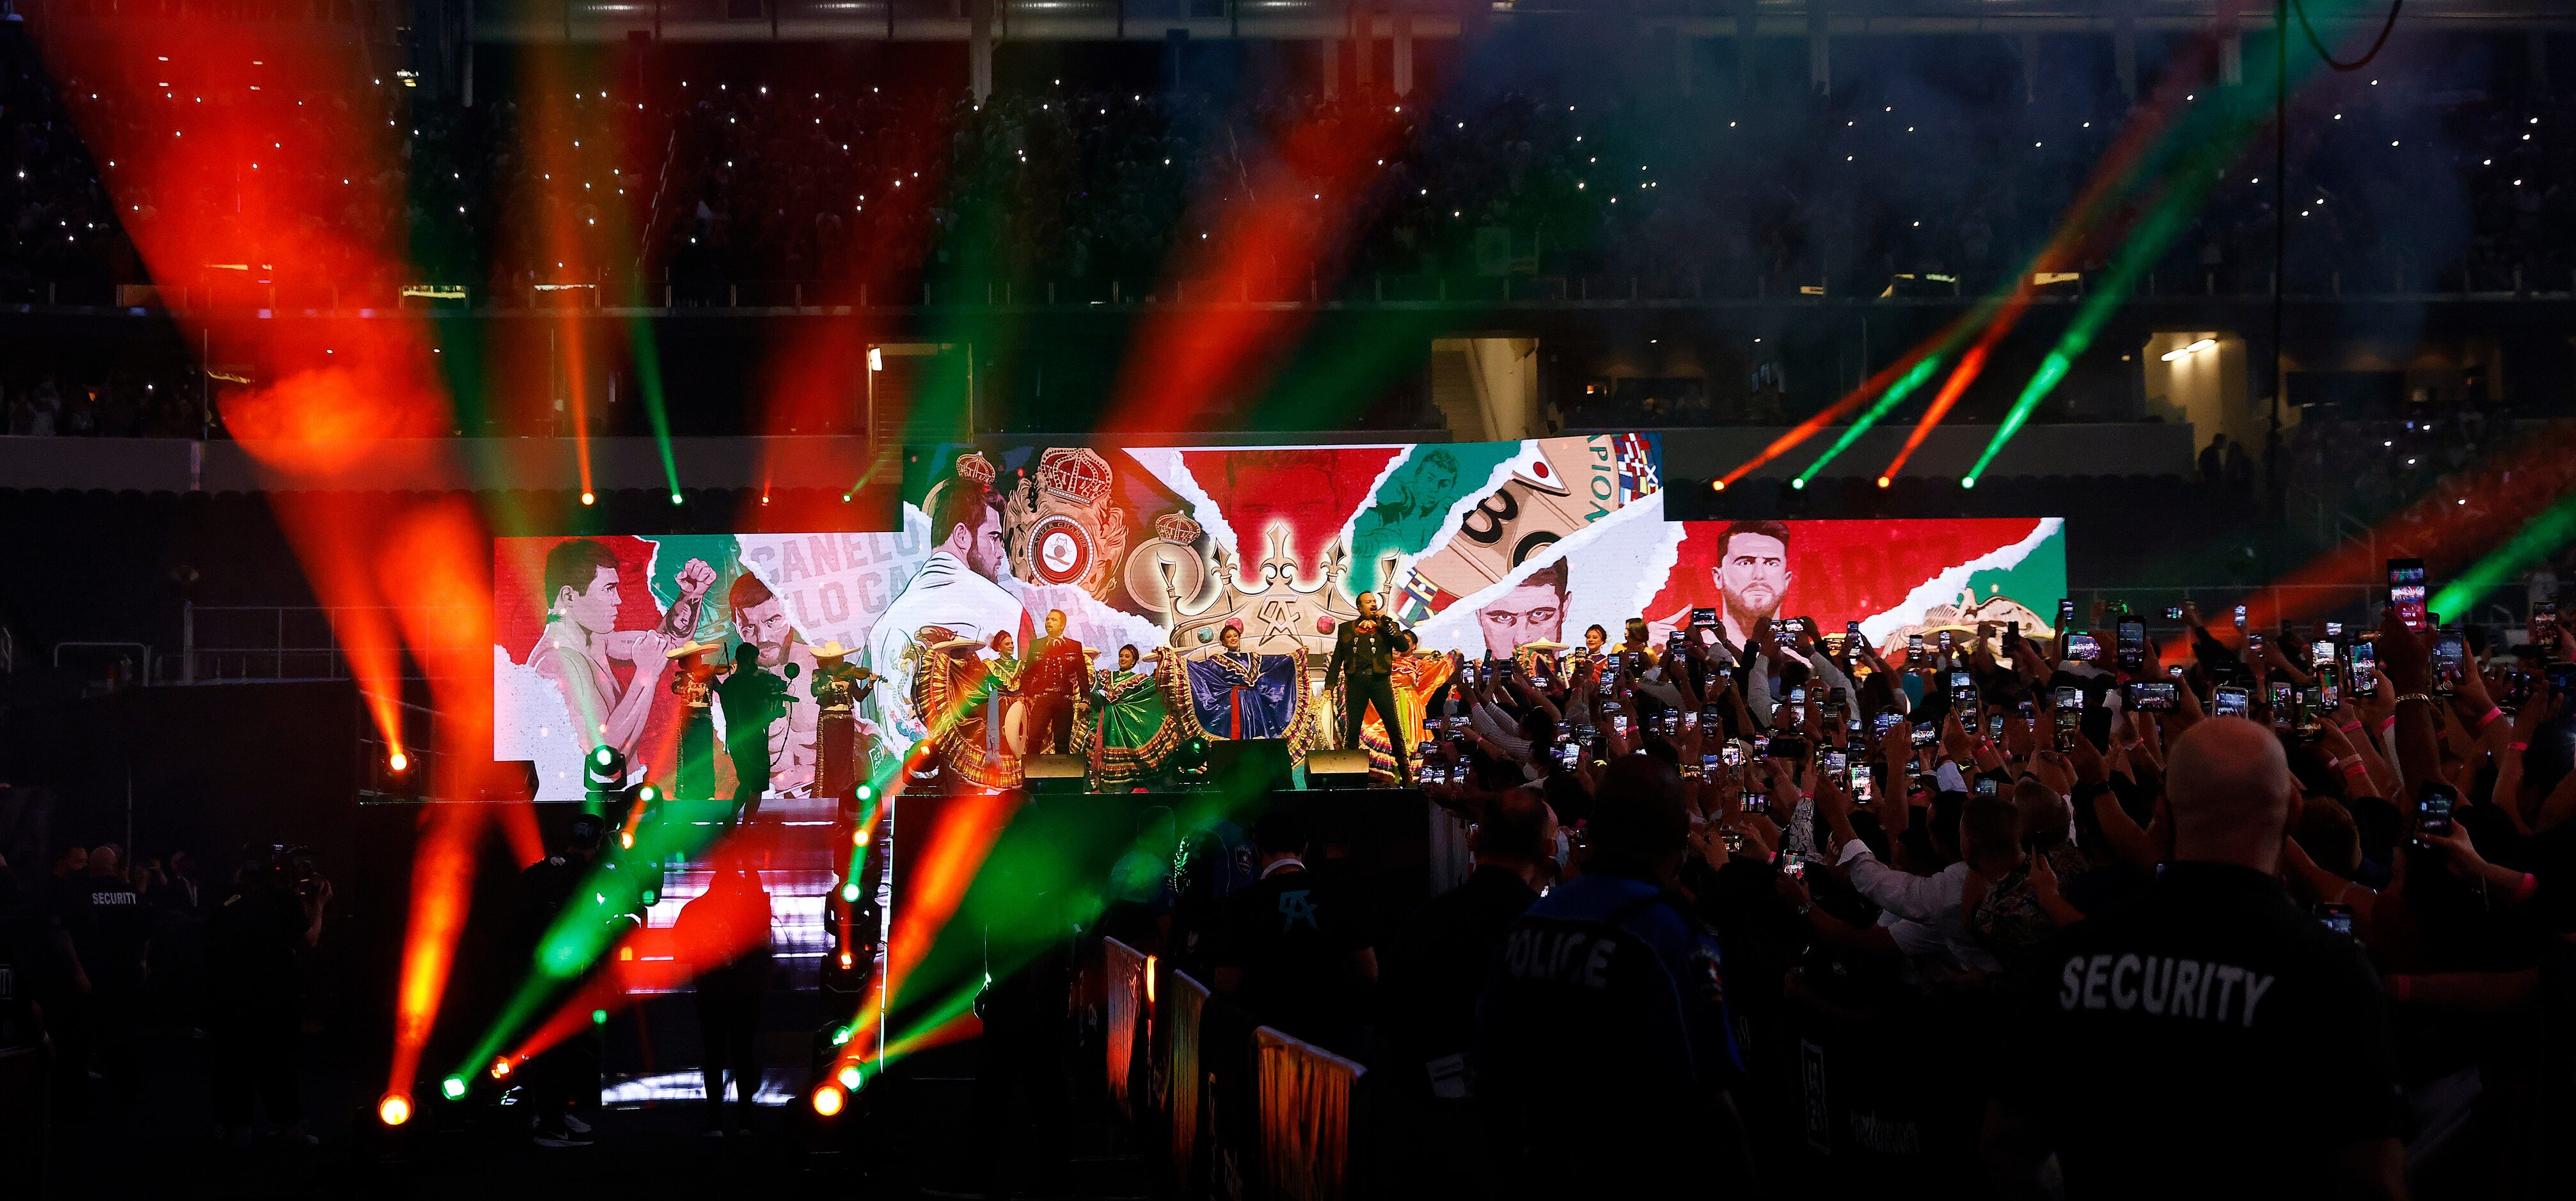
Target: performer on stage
[1238,694]
[842,738]
[753,699]
[1366,647]
[1131,727]
[1056,665]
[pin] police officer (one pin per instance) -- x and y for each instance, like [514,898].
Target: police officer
[2214,1035]
[1603,1056]
[1365,649]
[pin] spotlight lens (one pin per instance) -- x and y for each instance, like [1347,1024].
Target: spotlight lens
[501,1068]
[599,1017]
[604,754]
[1967,481]
[1717,486]
[399,761]
[1799,484]
[675,498]
[828,1099]
[850,1077]
[1882,481]
[453,1088]
[394,1110]
[850,892]
[587,498]
[866,792]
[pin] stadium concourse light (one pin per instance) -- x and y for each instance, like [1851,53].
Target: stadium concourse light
[2194,348]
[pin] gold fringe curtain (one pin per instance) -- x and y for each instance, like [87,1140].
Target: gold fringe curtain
[1305,1117]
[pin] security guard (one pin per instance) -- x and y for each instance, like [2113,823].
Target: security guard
[2214,1036]
[1366,647]
[1603,1055]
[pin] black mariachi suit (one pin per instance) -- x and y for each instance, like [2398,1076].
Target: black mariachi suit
[1369,658]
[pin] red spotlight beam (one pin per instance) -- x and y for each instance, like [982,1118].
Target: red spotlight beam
[1307,200]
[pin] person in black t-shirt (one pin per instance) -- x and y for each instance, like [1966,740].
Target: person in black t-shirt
[1435,972]
[566,1075]
[111,933]
[254,1018]
[1290,952]
[2213,1036]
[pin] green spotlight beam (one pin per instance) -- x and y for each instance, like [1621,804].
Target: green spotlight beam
[1896,394]
[2537,539]
[648,380]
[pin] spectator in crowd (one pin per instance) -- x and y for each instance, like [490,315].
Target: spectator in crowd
[562,1082]
[111,934]
[1437,968]
[256,940]
[1292,953]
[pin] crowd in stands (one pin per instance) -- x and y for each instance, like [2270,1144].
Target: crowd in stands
[1932,916]
[2403,180]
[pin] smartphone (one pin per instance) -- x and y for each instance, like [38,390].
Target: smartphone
[1835,760]
[1914,646]
[2012,634]
[1424,751]
[2278,701]
[2067,698]
[2231,701]
[2321,653]
[2433,814]
[2450,659]
[1468,673]
[1795,869]
[1673,641]
[2337,918]
[1880,724]
[2543,627]
[2406,591]
[1961,680]
[1945,641]
[2173,612]
[2149,696]
[1703,618]
[1619,724]
[1690,721]
[1709,717]
[1986,786]
[1734,841]
[2329,679]
[1761,745]
[1569,754]
[1798,695]
[2253,646]
[1925,735]
[1783,633]
[2240,617]
[2310,720]
[1756,801]
[2065,614]
[2364,656]
[1864,786]
[1672,723]
[1732,754]
[1994,725]
[2129,641]
[2334,629]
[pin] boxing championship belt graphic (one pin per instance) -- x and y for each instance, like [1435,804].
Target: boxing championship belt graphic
[1568,486]
[1062,528]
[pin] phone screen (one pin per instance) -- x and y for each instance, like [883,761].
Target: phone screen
[2433,812]
[1880,724]
[2240,617]
[1914,644]
[2450,658]
[2173,612]
[1925,735]
[2232,701]
[2337,918]
[1864,786]
[2321,652]
[2083,648]
[2150,696]
[1945,640]
[1836,760]
[1703,618]
[2131,638]
[1798,696]
[2406,591]
[1959,680]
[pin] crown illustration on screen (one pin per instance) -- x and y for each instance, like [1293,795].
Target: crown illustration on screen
[1177,527]
[1076,473]
[974,466]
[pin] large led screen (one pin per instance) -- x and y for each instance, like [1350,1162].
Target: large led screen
[1481,546]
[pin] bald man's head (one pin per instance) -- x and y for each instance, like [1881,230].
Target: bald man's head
[2228,788]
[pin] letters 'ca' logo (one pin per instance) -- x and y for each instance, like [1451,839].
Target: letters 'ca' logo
[1297,907]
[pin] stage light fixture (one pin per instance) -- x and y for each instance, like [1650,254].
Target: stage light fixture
[501,1068]
[587,498]
[1717,485]
[599,1017]
[850,1077]
[675,498]
[452,1088]
[1799,484]
[828,1099]
[1967,481]
[398,761]
[1883,481]
[850,892]
[866,793]
[394,1110]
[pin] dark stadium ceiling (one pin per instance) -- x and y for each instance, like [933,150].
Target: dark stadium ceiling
[1150,20]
